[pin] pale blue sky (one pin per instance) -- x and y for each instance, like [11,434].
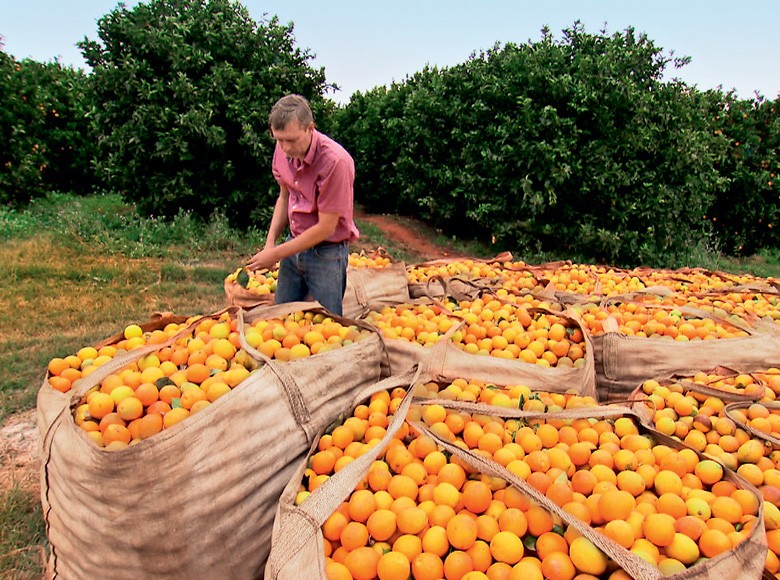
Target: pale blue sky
[365,43]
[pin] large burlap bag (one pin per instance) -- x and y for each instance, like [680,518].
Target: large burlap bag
[237,295]
[297,542]
[446,359]
[297,548]
[369,288]
[745,561]
[461,282]
[196,500]
[646,411]
[622,362]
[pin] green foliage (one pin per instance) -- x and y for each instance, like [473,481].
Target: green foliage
[20,157]
[746,214]
[108,226]
[183,89]
[45,143]
[575,146]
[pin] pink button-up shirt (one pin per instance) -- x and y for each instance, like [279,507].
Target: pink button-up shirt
[322,181]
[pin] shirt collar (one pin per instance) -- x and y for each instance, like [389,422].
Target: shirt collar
[311,153]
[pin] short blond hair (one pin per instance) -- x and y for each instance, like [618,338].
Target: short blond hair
[289,108]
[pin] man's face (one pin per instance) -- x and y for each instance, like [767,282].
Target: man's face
[294,139]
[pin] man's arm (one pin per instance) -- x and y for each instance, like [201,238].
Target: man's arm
[279,220]
[319,232]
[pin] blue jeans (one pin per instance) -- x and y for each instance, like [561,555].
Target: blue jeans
[320,272]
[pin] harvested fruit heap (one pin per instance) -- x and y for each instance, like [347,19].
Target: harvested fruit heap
[501,325]
[420,510]
[746,306]
[461,268]
[638,319]
[166,386]
[369,260]
[300,335]
[260,283]
[723,415]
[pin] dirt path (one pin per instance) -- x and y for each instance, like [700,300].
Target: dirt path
[412,236]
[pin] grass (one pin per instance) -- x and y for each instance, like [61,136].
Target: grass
[74,271]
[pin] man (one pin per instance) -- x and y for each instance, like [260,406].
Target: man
[316,179]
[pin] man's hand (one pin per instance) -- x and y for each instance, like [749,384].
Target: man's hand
[264,259]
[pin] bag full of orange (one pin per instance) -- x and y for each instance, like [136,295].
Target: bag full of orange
[414,483]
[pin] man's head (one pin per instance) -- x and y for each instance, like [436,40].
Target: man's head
[292,125]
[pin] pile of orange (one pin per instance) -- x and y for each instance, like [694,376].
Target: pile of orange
[466,268]
[502,326]
[421,513]
[300,335]
[166,386]
[260,283]
[371,260]
[700,419]
[650,321]
[162,388]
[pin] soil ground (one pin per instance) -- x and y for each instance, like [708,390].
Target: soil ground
[411,236]
[19,438]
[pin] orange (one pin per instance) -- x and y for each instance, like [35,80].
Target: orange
[462,531]
[435,540]
[408,545]
[727,508]
[353,535]
[550,542]
[621,532]
[671,504]
[515,521]
[116,432]
[393,565]
[713,542]
[476,496]
[334,525]
[361,504]
[362,562]
[130,408]
[149,425]
[100,405]
[174,416]
[337,571]
[616,505]
[411,520]
[558,566]
[427,566]
[539,520]
[659,529]
[506,547]
[586,557]
[457,564]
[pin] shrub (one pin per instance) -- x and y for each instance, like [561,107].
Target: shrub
[183,89]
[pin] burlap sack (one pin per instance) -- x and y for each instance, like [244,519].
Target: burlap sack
[371,288]
[297,542]
[647,411]
[50,401]
[297,548]
[466,286]
[446,359]
[196,500]
[623,362]
[745,561]
[237,295]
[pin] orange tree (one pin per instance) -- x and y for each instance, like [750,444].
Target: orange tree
[746,212]
[575,146]
[184,88]
[45,144]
